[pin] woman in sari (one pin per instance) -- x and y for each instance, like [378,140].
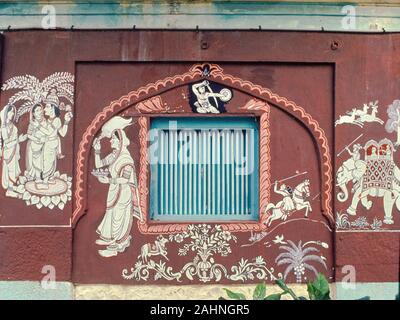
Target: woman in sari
[10,153]
[123,196]
[34,147]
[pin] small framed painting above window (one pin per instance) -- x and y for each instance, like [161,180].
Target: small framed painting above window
[204,168]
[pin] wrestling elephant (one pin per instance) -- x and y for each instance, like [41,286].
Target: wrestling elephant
[354,171]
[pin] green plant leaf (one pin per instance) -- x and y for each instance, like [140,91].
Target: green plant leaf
[319,288]
[311,291]
[235,295]
[260,291]
[275,296]
[221,298]
[286,289]
[281,284]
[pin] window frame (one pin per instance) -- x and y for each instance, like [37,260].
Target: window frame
[206,122]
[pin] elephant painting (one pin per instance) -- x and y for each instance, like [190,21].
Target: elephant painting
[375,176]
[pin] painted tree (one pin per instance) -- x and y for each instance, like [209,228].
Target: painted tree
[32,90]
[298,258]
[393,123]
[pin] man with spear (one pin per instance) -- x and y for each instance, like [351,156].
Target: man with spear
[286,205]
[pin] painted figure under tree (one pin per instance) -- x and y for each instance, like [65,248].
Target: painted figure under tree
[35,145]
[52,147]
[123,195]
[41,184]
[10,150]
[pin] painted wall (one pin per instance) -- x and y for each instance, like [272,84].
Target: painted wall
[311,102]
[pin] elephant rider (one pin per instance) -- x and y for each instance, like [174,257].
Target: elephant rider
[355,165]
[355,154]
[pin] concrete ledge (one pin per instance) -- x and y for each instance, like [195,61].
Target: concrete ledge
[167,292]
[373,290]
[32,290]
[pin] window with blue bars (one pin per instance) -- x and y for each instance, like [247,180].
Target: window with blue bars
[204,169]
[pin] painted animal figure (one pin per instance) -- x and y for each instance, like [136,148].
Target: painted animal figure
[350,119]
[371,117]
[363,111]
[156,249]
[355,171]
[300,194]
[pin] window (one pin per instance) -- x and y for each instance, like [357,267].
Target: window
[204,169]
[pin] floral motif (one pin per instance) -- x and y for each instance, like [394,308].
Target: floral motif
[141,271]
[58,200]
[360,222]
[342,221]
[251,270]
[376,224]
[206,241]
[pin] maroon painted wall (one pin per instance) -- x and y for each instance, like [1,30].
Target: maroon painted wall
[326,79]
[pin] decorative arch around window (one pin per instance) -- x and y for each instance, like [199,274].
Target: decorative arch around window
[208,96]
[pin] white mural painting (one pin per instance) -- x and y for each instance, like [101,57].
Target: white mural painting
[157,249]
[203,93]
[393,122]
[292,200]
[41,184]
[10,150]
[117,170]
[301,257]
[206,241]
[368,113]
[374,175]
[361,223]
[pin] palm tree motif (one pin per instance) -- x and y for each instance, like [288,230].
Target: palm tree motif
[32,90]
[298,258]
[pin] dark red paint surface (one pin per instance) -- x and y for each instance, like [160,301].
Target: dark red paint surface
[300,66]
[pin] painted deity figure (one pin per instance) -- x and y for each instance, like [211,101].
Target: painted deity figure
[52,147]
[10,150]
[123,194]
[203,104]
[34,148]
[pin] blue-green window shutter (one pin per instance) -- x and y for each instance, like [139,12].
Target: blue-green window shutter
[204,169]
